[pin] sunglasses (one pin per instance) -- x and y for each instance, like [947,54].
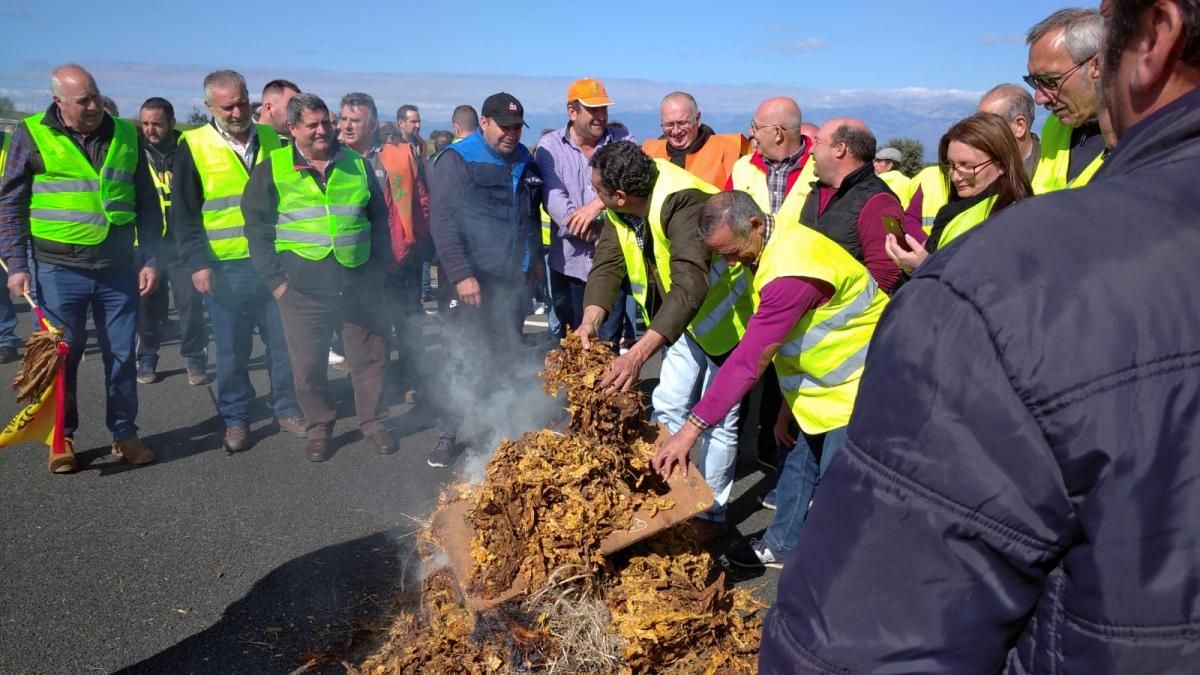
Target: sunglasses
[1052,83]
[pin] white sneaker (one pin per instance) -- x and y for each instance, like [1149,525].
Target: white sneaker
[757,555]
[336,359]
[453,304]
[540,309]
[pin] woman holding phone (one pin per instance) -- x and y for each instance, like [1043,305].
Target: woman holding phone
[986,172]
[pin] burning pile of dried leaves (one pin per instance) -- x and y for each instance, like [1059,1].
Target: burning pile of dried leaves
[545,504]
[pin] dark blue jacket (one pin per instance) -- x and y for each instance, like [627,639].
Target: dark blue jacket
[484,210]
[1021,488]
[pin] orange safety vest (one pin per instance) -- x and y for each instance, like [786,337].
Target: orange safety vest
[713,163]
[401,169]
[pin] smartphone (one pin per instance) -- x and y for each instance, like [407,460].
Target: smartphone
[893,225]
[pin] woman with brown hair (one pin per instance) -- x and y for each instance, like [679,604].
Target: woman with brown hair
[986,172]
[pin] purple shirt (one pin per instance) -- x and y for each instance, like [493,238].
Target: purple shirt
[568,186]
[784,302]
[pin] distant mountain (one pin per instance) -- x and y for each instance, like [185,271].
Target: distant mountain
[886,121]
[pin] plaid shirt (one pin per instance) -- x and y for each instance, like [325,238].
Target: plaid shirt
[777,176]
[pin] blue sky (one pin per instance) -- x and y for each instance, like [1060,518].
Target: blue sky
[831,54]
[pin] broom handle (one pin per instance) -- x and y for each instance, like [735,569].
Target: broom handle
[37,310]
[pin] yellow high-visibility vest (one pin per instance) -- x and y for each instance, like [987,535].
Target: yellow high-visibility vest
[314,223]
[753,181]
[966,221]
[72,203]
[897,181]
[223,177]
[721,320]
[935,193]
[1051,173]
[821,361]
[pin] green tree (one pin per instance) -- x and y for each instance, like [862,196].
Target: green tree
[912,152]
[197,116]
[6,105]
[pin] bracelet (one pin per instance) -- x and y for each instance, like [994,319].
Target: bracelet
[704,426]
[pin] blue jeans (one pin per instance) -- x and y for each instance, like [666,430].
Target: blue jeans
[238,303]
[8,316]
[686,374]
[798,478]
[66,294]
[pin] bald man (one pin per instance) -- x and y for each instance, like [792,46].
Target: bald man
[779,174]
[693,145]
[76,189]
[1015,104]
[849,202]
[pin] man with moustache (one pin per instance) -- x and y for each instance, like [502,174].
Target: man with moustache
[1064,73]
[317,222]
[212,166]
[76,192]
[1013,498]
[160,142]
[693,145]
[485,192]
[576,213]
[394,168]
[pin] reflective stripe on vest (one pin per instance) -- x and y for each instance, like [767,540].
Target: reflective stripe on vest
[223,177]
[1052,169]
[721,320]
[935,193]
[822,359]
[966,221]
[752,180]
[313,222]
[545,226]
[72,203]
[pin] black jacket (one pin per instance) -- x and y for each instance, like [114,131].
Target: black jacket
[839,221]
[1020,491]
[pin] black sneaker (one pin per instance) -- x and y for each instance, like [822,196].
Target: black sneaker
[755,556]
[8,354]
[442,453]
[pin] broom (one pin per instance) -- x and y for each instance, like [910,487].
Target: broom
[44,352]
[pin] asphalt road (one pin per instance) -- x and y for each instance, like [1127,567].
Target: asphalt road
[209,563]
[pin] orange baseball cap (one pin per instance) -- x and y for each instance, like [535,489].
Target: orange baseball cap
[590,93]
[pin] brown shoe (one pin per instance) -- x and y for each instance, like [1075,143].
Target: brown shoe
[294,425]
[707,531]
[317,449]
[64,463]
[237,438]
[383,442]
[132,450]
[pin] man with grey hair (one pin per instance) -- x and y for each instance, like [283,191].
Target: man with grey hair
[212,166]
[815,311]
[849,202]
[76,192]
[693,145]
[1015,105]
[325,272]
[1064,72]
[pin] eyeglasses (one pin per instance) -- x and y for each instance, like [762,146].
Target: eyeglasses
[1052,83]
[965,171]
[683,124]
[755,127]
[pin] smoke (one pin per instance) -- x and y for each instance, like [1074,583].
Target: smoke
[490,381]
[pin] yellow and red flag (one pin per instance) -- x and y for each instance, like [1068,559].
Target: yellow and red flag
[42,420]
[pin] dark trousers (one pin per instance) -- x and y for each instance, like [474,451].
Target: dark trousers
[239,302]
[483,348]
[66,294]
[402,295]
[308,322]
[8,317]
[567,292]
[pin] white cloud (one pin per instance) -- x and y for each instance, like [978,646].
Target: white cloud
[800,46]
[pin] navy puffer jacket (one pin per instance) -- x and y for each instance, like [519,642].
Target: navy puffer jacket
[1021,488]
